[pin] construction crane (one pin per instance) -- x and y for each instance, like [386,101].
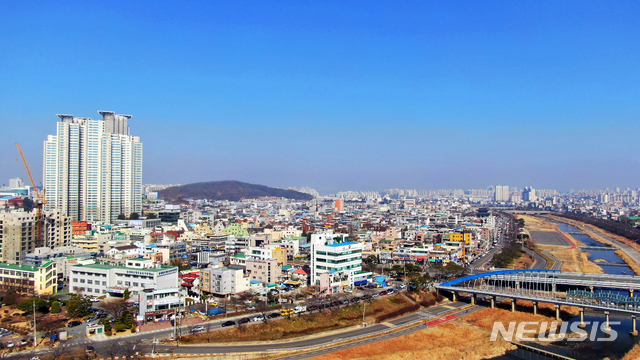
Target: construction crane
[38,204]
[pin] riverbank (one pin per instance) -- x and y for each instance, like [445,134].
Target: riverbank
[601,236]
[565,248]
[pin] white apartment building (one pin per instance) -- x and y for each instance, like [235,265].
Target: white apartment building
[502,193]
[223,281]
[93,168]
[336,262]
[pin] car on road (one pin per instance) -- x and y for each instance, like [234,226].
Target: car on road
[273,315]
[244,320]
[258,318]
[375,296]
[10,344]
[390,291]
[251,308]
[383,293]
[198,328]
[74,323]
[24,342]
[228,323]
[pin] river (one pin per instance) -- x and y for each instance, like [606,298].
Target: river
[592,350]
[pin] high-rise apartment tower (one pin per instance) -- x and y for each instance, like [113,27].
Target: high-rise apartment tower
[93,168]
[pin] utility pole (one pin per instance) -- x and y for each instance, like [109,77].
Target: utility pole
[35,337]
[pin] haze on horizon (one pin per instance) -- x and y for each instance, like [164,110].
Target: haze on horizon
[335,96]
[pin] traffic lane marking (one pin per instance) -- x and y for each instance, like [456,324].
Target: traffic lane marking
[440,320]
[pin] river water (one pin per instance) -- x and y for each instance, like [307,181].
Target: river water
[594,350]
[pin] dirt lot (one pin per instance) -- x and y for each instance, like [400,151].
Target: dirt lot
[549,238]
[536,224]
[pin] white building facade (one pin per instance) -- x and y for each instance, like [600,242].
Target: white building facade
[336,263]
[93,168]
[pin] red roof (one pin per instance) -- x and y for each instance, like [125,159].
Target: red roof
[301,271]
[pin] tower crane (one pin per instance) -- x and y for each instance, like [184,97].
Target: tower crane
[38,204]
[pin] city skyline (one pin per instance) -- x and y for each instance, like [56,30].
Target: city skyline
[338,96]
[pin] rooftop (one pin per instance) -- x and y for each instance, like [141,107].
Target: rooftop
[342,244]
[114,266]
[23,267]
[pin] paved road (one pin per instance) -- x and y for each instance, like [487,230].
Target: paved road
[539,261]
[432,312]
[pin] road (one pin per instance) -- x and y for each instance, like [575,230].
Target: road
[432,312]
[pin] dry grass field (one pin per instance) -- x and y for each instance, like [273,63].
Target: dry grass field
[575,260]
[446,341]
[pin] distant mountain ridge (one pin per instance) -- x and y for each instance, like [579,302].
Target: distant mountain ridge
[231,190]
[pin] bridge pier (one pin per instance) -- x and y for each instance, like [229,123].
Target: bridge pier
[513,305]
[455,297]
[535,308]
[582,324]
[634,330]
[493,302]
[473,299]
[606,321]
[557,312]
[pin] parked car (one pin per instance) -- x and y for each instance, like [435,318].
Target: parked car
[10,344]
[251,308]
[390,291]
[374,296]
[93,318]
[286,312]
[74,323]
[198,328]
[273,315]
[24,342]
[244,320]
[228,323]
[258,318]
[383,293]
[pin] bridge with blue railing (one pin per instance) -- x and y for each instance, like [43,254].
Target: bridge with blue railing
[602,292]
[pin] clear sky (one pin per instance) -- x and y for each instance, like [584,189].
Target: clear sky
[336,95]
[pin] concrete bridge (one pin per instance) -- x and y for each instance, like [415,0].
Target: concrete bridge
[586,291]
[599,248]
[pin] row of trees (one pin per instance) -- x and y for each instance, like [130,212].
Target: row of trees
[611,226]
[506,256]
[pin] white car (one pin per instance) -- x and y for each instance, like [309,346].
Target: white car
[258,318]
[10,344]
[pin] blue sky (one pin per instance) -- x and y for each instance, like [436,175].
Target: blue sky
[336,95]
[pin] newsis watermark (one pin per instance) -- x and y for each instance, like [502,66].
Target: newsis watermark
[527,331]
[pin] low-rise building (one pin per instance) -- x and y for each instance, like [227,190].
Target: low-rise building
[266,271]
[223,281]
[34,280]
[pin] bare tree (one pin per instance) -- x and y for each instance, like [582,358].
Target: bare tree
[130,349]
[263,309]
[208,326]
[63,348]
[110,349]
[115,308]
